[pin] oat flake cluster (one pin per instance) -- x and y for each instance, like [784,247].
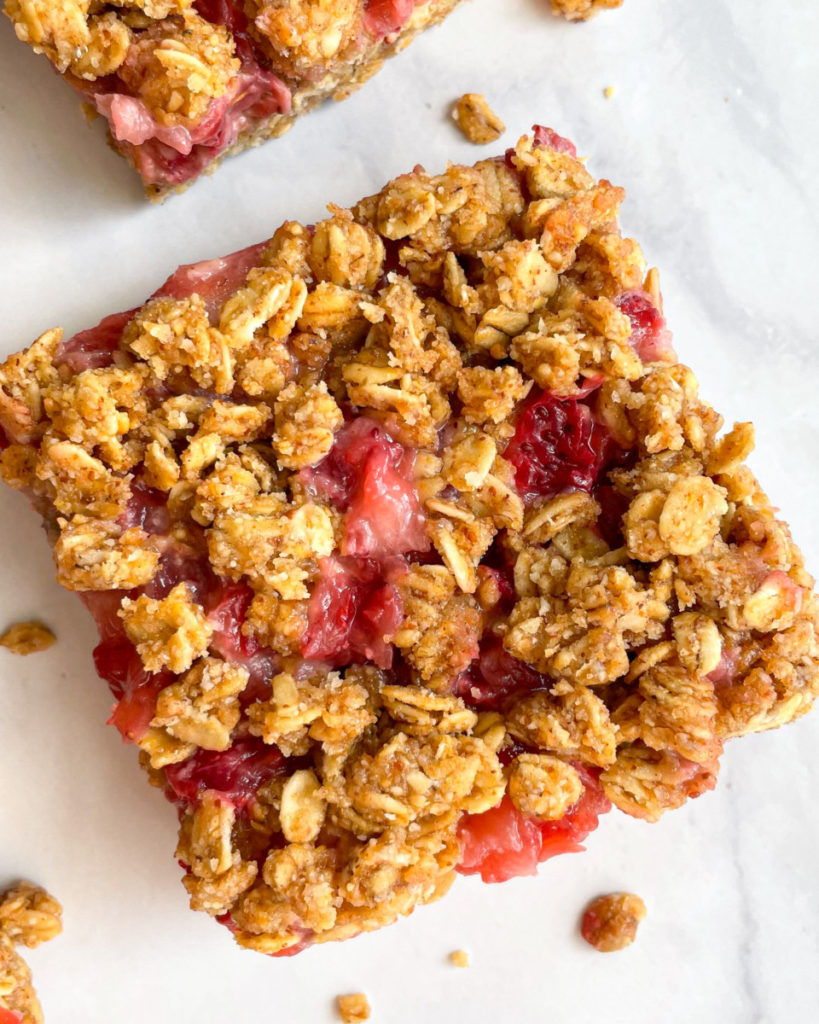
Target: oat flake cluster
[29,916]
[411,545]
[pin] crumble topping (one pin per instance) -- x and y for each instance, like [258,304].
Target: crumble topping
[29,916]
[27,638]
[412,545]
[476,119]
[459,958]
[610,922]
[581,10]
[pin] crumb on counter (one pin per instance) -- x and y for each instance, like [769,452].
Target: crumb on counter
[27,638]
[609,92]
[459,958]
[582,10]
[610,922]
[353,1008]
[476,119]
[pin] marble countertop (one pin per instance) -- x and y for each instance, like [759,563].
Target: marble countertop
[707,131]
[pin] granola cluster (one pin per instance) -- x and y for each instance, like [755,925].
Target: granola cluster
[610,922]
[581,10]
[476,119]
[29,916]
[26,638]
[401,518]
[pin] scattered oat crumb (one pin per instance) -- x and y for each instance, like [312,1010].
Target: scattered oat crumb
[610,922]
[582,10]
[476,119]
[27,638]
[609,91]
[460,958]
[353,1008]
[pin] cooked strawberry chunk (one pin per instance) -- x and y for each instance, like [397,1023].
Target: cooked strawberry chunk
[94,348]
[502,843]
[650,338]
[549,138]
[354,611]
[384,16]
[369,476]
[494,676]
[558,445]
[236,773]
[213,280]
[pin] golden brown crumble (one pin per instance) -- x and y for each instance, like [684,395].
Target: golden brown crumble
[27,638]
[580,10]
[16,989]
[459,958]
[353,1008]
[610,922]
[172,632]
[658,611]
[28,916]
[476,119]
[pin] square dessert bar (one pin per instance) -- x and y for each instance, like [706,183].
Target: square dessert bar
[184,83]
[411,544]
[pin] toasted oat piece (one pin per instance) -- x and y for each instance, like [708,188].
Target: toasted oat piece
[359,660]
[610,922]
[353,1008]
[582,10]
[476,119]
[183,86]
[28,916]
[27,638]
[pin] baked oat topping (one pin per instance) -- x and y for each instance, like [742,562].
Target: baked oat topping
[476,119]
[27,638]
[353,1008]
[581,10]
[610,922]
[28,916]
[412,545]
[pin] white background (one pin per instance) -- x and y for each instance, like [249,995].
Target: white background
[709,132]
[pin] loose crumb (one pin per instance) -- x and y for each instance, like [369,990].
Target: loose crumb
[460,958]
[610,922]
[609,91]
[27,638]
[476,119]
[582,10]
[353,1008]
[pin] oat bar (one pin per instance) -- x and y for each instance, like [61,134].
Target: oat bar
[412,546]
[185,83]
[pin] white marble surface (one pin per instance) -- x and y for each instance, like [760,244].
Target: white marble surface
[708,132]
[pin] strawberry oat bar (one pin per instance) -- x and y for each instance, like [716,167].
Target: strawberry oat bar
[411,545]
[184,83]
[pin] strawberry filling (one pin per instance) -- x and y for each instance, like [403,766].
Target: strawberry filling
[368,476]
[558,445]
[650,337]
[503,843]
[381,17]
[236,773]
[354,611]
